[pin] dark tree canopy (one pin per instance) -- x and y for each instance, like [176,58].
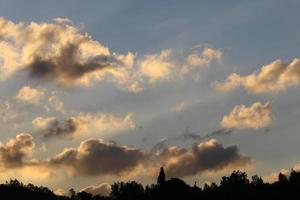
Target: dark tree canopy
[235,186]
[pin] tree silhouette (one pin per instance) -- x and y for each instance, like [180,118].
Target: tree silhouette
[257,181]
[127,191]
[235,186]
[161,177]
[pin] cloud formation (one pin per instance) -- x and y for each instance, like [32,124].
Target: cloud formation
[62,52]
[271,78]
[97,157]
[57,51]
[8,112]
[56,103]
[30,95]
[14,152]
[52,127]
[204,156]
[256,116]
[196,136]
[157,66]
[71,127]
[198,59]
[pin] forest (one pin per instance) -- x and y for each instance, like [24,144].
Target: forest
[235,186]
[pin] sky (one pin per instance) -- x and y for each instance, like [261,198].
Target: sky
[101,91]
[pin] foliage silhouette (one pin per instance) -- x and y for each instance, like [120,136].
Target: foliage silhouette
[161,179]
[235,186]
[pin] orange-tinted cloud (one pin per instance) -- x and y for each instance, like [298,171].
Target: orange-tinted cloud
[60,52]
[30,95]
[14,152]
[157,66]
[102,189]
[274,77]
[256,116]
[83,123]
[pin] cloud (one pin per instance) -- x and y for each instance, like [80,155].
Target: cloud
[190,135]
[91,157]
[179,107]
[8,112]
[13,153]
[97,157]
[159,145]
[204,156]
[30,95]
[108,123]
[197,59]
[170,64]
[52,127]
[220,131]
[56,103]
[83,123]
[187,134]
[271,78]
[103,189]
[60,52]
[157,66]
[256,116]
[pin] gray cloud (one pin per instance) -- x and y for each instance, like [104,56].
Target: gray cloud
[66,66]
[205,156]
[13,153]
[158,146]
[221,132]
[96,157]
[52,127]
[189,135]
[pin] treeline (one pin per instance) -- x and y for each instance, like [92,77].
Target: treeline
[235,186]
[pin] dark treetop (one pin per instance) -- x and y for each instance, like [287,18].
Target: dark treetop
[235,186]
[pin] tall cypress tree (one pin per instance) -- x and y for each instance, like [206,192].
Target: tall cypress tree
[161,177]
